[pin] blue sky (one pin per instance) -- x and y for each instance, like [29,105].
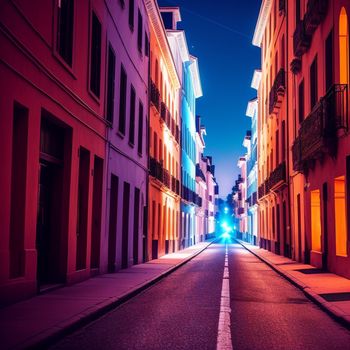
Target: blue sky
[220,33]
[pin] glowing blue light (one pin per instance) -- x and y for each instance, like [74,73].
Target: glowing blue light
[225,235]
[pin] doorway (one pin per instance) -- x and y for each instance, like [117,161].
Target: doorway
[49,240]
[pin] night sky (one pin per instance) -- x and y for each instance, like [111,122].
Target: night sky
[220,33]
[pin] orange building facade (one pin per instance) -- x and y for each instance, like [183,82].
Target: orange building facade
[273,192]
[164,183]
[303,140]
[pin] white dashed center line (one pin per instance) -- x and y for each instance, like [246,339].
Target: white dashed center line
[224,341]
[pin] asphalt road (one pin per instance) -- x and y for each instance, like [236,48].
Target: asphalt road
[182,311]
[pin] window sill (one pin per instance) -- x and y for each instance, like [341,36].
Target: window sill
[94,97]
[64,64]
[120,134]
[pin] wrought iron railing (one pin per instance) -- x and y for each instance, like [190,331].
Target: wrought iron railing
[155,95]
[301,40]
[277,90]
[318,132]
[278,176]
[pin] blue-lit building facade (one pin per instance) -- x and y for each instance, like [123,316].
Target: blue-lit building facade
[250,142]
[188,72]
[190,92]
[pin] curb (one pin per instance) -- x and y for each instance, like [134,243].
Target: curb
[323,304]
[53,335]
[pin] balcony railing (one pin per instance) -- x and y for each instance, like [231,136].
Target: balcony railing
[261,190]
[157,171]
[277,91]
[166,178]
[315,14]
[318,132]
[282,6]
[278,176]
[155,96]
[188,195]
[163,110]
[199,173]
[301,40]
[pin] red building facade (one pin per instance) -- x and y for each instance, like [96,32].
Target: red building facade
[62,96]
[303,131]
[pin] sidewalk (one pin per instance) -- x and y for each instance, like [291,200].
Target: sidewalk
[329,291]
[42,319]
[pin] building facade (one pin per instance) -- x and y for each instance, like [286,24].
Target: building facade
[65,211]
[273,166]
[126,112]
[201,182]
[303,142]
[187,68]
[320,145]
[165,166]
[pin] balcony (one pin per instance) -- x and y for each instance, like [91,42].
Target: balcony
[282,6]
[177,134]
[301,41]
[155,96]
[166,178]
[317,135]
[261,190]
[163,110]
[156,169]
[277,91]
[315,14]
[278,176]
[199,174]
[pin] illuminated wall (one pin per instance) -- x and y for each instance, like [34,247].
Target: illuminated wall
[164,198]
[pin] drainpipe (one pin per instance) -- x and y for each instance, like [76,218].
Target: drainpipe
[288,144]
[146,208]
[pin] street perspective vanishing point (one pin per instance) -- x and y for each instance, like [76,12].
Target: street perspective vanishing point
[119,119]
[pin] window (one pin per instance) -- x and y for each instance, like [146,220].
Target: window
[340,216]
[329,60]
[95,56]
[146,45]
[315,221]
[282,53]
[132,116]
[139,31]
[343,47]
[283,140]
[122,101]
[110,84]
[131,13]
[65,16]
[156,71]
[277,147]
[301,101]
[313,83]
[140,138]
[297,12]
[155,143]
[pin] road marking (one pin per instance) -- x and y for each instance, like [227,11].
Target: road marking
[224,341]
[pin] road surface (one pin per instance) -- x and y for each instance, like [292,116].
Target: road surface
[256,307]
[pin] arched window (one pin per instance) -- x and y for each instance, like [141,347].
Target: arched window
[343,47]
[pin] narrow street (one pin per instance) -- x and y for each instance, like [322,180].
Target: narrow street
[267,312]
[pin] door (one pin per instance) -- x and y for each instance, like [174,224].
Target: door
[48,226]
